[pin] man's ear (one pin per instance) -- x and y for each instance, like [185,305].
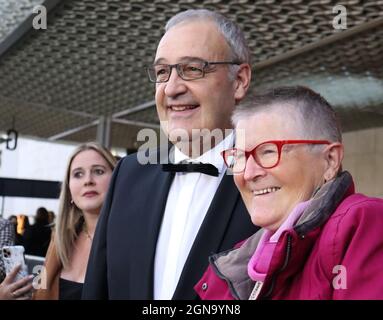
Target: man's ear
[242,81]
[333,158]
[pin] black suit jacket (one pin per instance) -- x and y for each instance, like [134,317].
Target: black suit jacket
[121,263]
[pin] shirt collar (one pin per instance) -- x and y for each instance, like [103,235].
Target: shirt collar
[212,156]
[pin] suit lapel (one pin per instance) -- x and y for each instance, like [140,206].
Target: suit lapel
[159,182]
[146,201]
[209,237]
[157,208]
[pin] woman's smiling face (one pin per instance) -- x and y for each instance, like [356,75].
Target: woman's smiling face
[271,194]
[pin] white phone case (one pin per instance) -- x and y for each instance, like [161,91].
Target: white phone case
[13,256]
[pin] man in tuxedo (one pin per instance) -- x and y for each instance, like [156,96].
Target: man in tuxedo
[159,225]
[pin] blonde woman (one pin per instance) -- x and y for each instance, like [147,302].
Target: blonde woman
[83,192]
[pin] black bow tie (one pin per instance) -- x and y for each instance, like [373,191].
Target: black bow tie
[205,168]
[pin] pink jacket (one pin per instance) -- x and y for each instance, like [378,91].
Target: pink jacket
[334,251]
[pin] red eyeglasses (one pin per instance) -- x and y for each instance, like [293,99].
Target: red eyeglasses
[266,154]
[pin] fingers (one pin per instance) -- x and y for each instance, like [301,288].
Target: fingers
[23,290]
[11,276]
[21,283]
[19,290]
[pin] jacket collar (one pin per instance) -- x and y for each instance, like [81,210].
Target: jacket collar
[324,203]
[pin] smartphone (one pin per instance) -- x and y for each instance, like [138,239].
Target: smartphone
[13,256]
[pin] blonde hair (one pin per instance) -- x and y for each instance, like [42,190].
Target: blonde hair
[70,218]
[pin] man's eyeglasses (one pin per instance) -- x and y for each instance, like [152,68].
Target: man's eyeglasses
[267,154]
[187,70]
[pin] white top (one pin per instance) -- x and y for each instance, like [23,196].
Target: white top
[188,201]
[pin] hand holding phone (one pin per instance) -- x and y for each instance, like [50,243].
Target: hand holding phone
[16,290]
[12,257]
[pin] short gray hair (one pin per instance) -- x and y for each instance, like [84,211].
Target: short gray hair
[314,115]
[229,29]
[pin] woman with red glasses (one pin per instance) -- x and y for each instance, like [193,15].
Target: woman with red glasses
[319,239]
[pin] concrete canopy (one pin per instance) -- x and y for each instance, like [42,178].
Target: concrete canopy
[88,65]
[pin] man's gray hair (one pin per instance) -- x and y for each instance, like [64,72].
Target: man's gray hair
[229,29]
[314,116]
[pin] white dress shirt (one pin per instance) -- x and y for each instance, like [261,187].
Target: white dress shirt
[188,201]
